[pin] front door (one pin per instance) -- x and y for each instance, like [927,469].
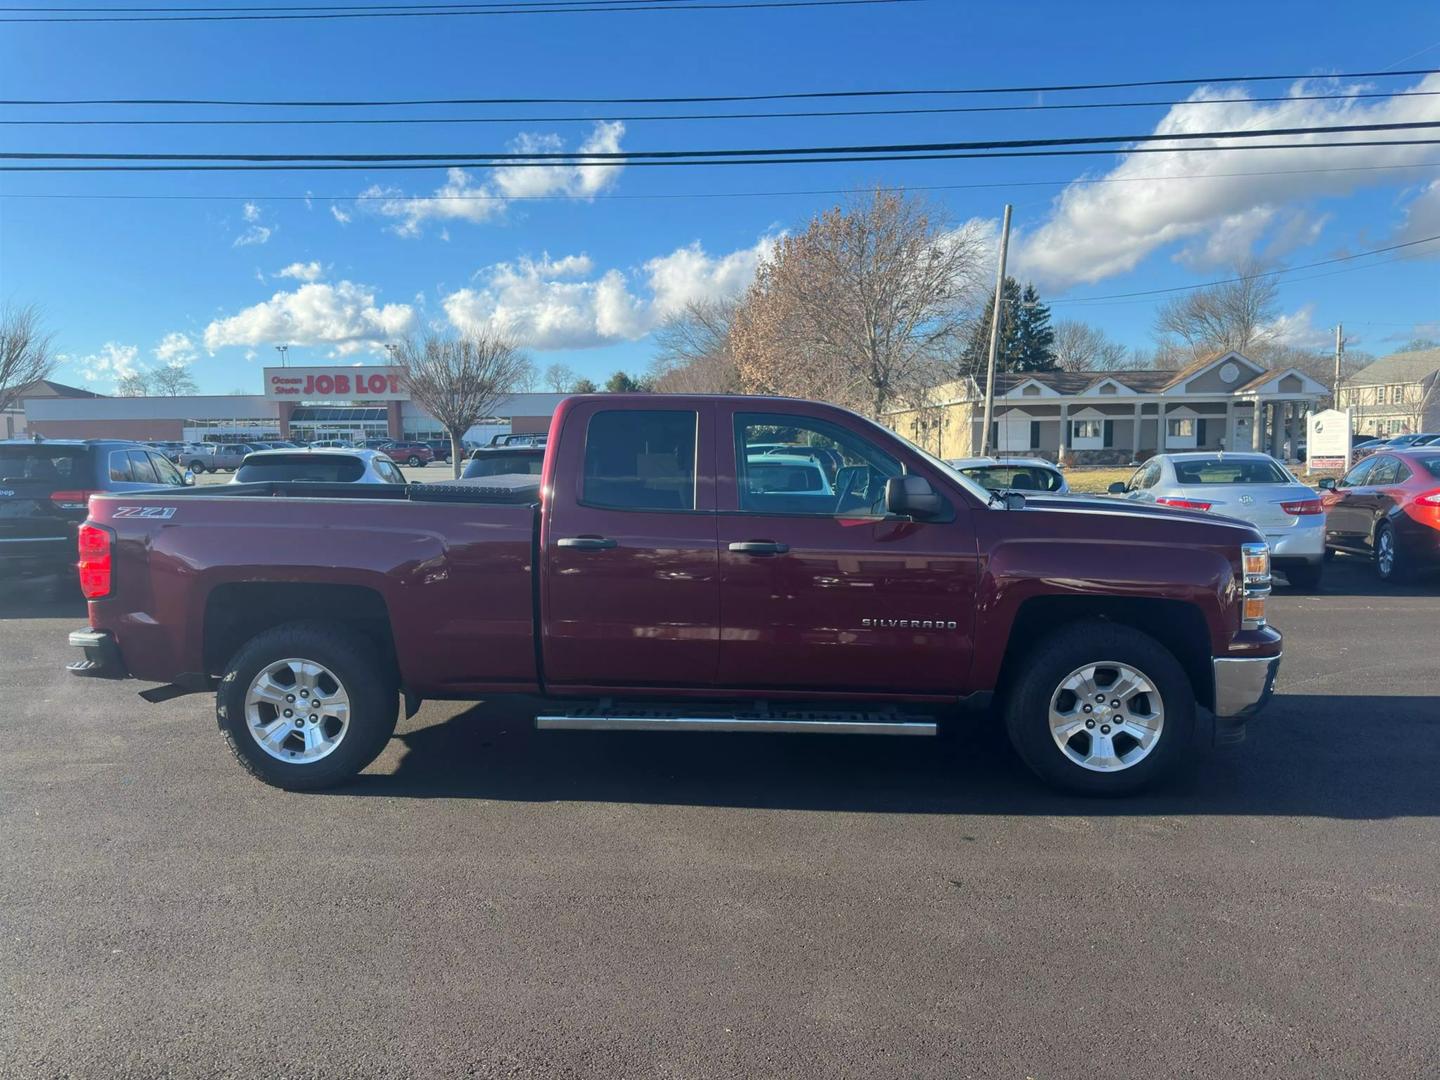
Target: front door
[820,589]
[629,588]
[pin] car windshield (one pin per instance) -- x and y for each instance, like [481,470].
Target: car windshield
[314,468]
[1221,470]
[1014,477]
[60,464]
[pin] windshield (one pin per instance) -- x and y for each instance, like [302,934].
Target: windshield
[504,463]
[313,468]
[55,464]
[1193,472]
[1014,477]
[979,491]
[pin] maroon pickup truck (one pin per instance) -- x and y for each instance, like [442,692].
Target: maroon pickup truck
[688,564]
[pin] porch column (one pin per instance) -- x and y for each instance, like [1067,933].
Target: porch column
[1135,434]
[1161,424]
[1257,421]
[1228,440]
[1289,444]
[1063,453]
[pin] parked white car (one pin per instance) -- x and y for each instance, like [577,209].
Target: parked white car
[1252,487]
[322,466]
[1013,474]
[788,473]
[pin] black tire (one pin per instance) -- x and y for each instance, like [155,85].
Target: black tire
[1051,661]
[414,462]
[1304,577]
[197,467]
[374,702]
[1398,569]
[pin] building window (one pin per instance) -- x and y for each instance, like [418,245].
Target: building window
[1180,428]
[1085,429]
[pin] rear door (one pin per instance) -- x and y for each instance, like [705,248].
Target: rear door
[628,574]
[823,591]
[1346,522]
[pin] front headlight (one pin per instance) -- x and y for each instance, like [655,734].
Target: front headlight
[1254,584]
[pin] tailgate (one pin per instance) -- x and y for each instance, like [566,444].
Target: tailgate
[42,493]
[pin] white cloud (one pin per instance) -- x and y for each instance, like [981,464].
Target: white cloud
[559,303]
[1422,218]
[1095,231]
[307,271]
[113,361]
[255,233]
[344,316]
[1297,328]
[175,348]
[339,214]
[464,197]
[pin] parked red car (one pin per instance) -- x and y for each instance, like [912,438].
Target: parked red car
[1387,508]
[409,453]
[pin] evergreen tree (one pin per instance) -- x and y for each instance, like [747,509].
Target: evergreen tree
[1034,336]
[977,349]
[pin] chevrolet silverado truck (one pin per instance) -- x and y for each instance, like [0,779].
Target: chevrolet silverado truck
[653,578]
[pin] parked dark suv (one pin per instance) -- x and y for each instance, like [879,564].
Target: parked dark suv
[44,488]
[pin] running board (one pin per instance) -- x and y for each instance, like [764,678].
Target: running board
[813,724]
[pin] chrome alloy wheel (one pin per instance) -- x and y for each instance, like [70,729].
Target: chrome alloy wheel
[1106,716]
[296,710]
[1385,552]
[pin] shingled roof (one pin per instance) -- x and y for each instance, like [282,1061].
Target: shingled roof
[1401,367]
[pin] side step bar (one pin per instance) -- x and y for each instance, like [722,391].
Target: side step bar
[820,724]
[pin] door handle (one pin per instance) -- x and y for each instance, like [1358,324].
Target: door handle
[585,543]
[759,547]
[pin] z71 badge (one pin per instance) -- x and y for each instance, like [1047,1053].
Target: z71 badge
[145,511]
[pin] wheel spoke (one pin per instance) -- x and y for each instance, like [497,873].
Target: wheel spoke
[266,689]
[1067,730]
[1102,752]
[273,735]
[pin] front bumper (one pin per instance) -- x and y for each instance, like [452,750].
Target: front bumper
[102,656]
[1242,687]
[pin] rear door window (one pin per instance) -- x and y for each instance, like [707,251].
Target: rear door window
[1386,470]
[1357,476]
[640,459]
[141,471]
[120,469]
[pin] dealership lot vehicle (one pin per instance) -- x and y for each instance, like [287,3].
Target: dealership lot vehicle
[312,637]
[1013,474]
[1252,487]
[414,454]
[1387,508]
[523,460]
[318,467]
[44,487]
[218,456]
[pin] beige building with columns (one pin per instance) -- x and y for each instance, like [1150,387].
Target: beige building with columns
[1224,401]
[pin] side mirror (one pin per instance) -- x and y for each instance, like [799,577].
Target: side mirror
[189,478]
[912,496]
[1327,484]
[1117,488]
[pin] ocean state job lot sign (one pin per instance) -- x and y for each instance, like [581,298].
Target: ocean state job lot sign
[1327,444]
[335,383]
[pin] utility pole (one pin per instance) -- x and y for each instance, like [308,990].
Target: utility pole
[994,336]
[284,351]
[1339,352]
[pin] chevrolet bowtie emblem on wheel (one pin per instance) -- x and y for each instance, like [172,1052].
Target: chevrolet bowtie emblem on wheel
[909,624]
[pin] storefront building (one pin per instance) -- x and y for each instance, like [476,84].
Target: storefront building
[309,404]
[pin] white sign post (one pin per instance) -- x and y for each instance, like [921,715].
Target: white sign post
[1327,448]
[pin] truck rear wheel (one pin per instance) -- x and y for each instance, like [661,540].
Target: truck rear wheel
[1101,709]
[306,705]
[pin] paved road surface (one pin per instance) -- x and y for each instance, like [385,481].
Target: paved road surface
[489,901]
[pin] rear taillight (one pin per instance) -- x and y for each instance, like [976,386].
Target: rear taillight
[96,560]
[1302,507]
[1183,504]
[1429,498]
[71,500]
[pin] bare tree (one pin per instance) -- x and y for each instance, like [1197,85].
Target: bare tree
[135,384]
[694,350]
[172,380]
[1420,398]
[460,379]
[1082,347]
[25,355]
[1232,315]
[864,307]
[559,378]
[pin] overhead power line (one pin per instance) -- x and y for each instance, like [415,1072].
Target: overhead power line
[651,196]
[1247,277]
[587,157]
[428,12]
[695,100]
[383,166]
[632,118]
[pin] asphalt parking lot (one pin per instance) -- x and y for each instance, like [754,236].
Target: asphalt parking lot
[491,901]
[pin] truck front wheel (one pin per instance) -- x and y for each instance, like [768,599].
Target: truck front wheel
[306,705]
[1101,709]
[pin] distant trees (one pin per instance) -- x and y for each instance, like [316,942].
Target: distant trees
[458,379]
[1238,314]
[559,378]
[583,386]
[1026,342]
[133,384]
[623,383]
[693,350]
[25,352]
[172,380]
[1082,347]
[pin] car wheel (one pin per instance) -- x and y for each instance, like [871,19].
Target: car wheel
[413,461]
[197,467]
[1388,565]
[1305,577]
[1101,709]
[306,705]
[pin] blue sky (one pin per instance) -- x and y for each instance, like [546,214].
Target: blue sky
[585,271]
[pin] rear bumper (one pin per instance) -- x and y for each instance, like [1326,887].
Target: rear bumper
[1301,544]
[22,556]
[102,656]
[1242,687]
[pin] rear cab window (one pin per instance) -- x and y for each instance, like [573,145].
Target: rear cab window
[640,459]
[302,467]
